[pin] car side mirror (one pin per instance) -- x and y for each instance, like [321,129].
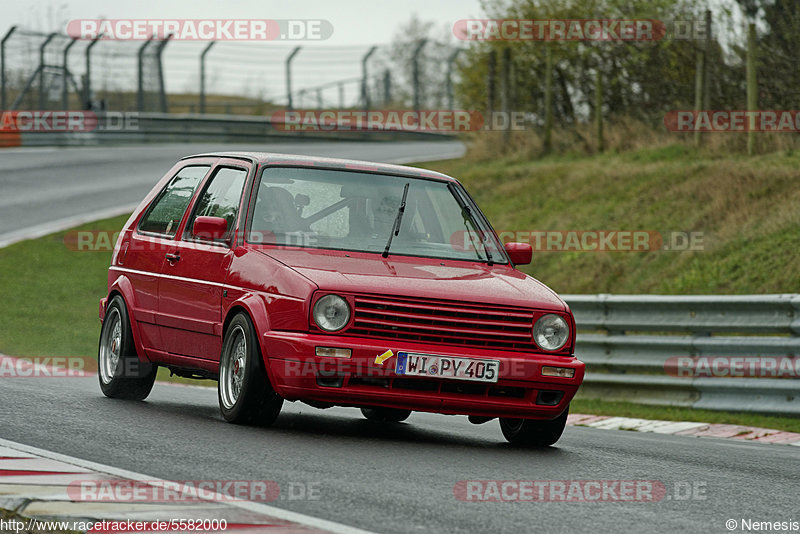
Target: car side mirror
[212,228]
[519,253]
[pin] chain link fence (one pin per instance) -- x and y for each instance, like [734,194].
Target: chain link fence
[53,71]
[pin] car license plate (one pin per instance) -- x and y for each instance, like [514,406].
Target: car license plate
[415,364]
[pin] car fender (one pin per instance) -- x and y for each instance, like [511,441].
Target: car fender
[255,307]
[123,287]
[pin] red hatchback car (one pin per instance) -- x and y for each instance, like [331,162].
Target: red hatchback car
[334,282]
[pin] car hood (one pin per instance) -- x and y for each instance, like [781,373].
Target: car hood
[418,277]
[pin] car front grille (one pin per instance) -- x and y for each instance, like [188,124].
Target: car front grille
[444,322]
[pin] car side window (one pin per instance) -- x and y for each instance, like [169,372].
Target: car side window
[165,213]
[221,198]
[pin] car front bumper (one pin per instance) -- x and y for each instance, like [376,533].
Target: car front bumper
[520,391]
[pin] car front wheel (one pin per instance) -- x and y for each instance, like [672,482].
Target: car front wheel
[245,394]
[533,433]
[122,375]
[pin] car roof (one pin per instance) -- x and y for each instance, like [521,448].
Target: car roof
[272,158]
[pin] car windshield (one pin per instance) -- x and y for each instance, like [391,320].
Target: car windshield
[357,211]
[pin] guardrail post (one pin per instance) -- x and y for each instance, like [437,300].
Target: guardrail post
[41,69]
[364,90]
[140,91]
[65,73]
[203,77]
[162,94]
[3,65]
[415,74]
[289,77]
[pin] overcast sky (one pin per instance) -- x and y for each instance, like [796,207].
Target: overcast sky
[354,21]
[234,67]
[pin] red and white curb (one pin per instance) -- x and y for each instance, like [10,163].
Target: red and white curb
[686,428]
[34,483]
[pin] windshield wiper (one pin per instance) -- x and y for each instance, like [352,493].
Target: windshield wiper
[397,220]
[466,213]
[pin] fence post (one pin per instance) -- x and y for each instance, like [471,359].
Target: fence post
[548,98]
[707,62]
[598,111]
[203,77]
[3,65]
[364,89]
[752,87]
[42,70]
[506,95]
[289,77]
[140,83]
[450,62]
[491,70]
[387,87]
[701,76]
[415,74]
[64,89]
[87,87]
[162,94]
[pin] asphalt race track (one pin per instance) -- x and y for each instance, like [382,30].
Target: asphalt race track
[382,478]
[400,478]
[46,189]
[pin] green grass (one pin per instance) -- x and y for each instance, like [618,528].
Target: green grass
[745,208]
[50,297]
[676,413]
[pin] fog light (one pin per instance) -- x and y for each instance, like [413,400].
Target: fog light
[563,372]
[333,352]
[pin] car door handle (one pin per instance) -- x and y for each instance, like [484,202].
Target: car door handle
[173,257]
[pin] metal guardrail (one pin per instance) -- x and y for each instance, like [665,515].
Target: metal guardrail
[176,128]
[631,343]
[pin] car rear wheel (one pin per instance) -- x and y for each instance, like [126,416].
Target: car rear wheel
[385,415]
[245,394]
[122,375]
[533,433]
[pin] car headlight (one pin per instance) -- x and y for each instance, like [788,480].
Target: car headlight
[331,313]
[551,332]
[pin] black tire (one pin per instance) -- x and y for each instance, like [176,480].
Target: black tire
[385,415]
[121,373]
[245,394]
[533,433]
